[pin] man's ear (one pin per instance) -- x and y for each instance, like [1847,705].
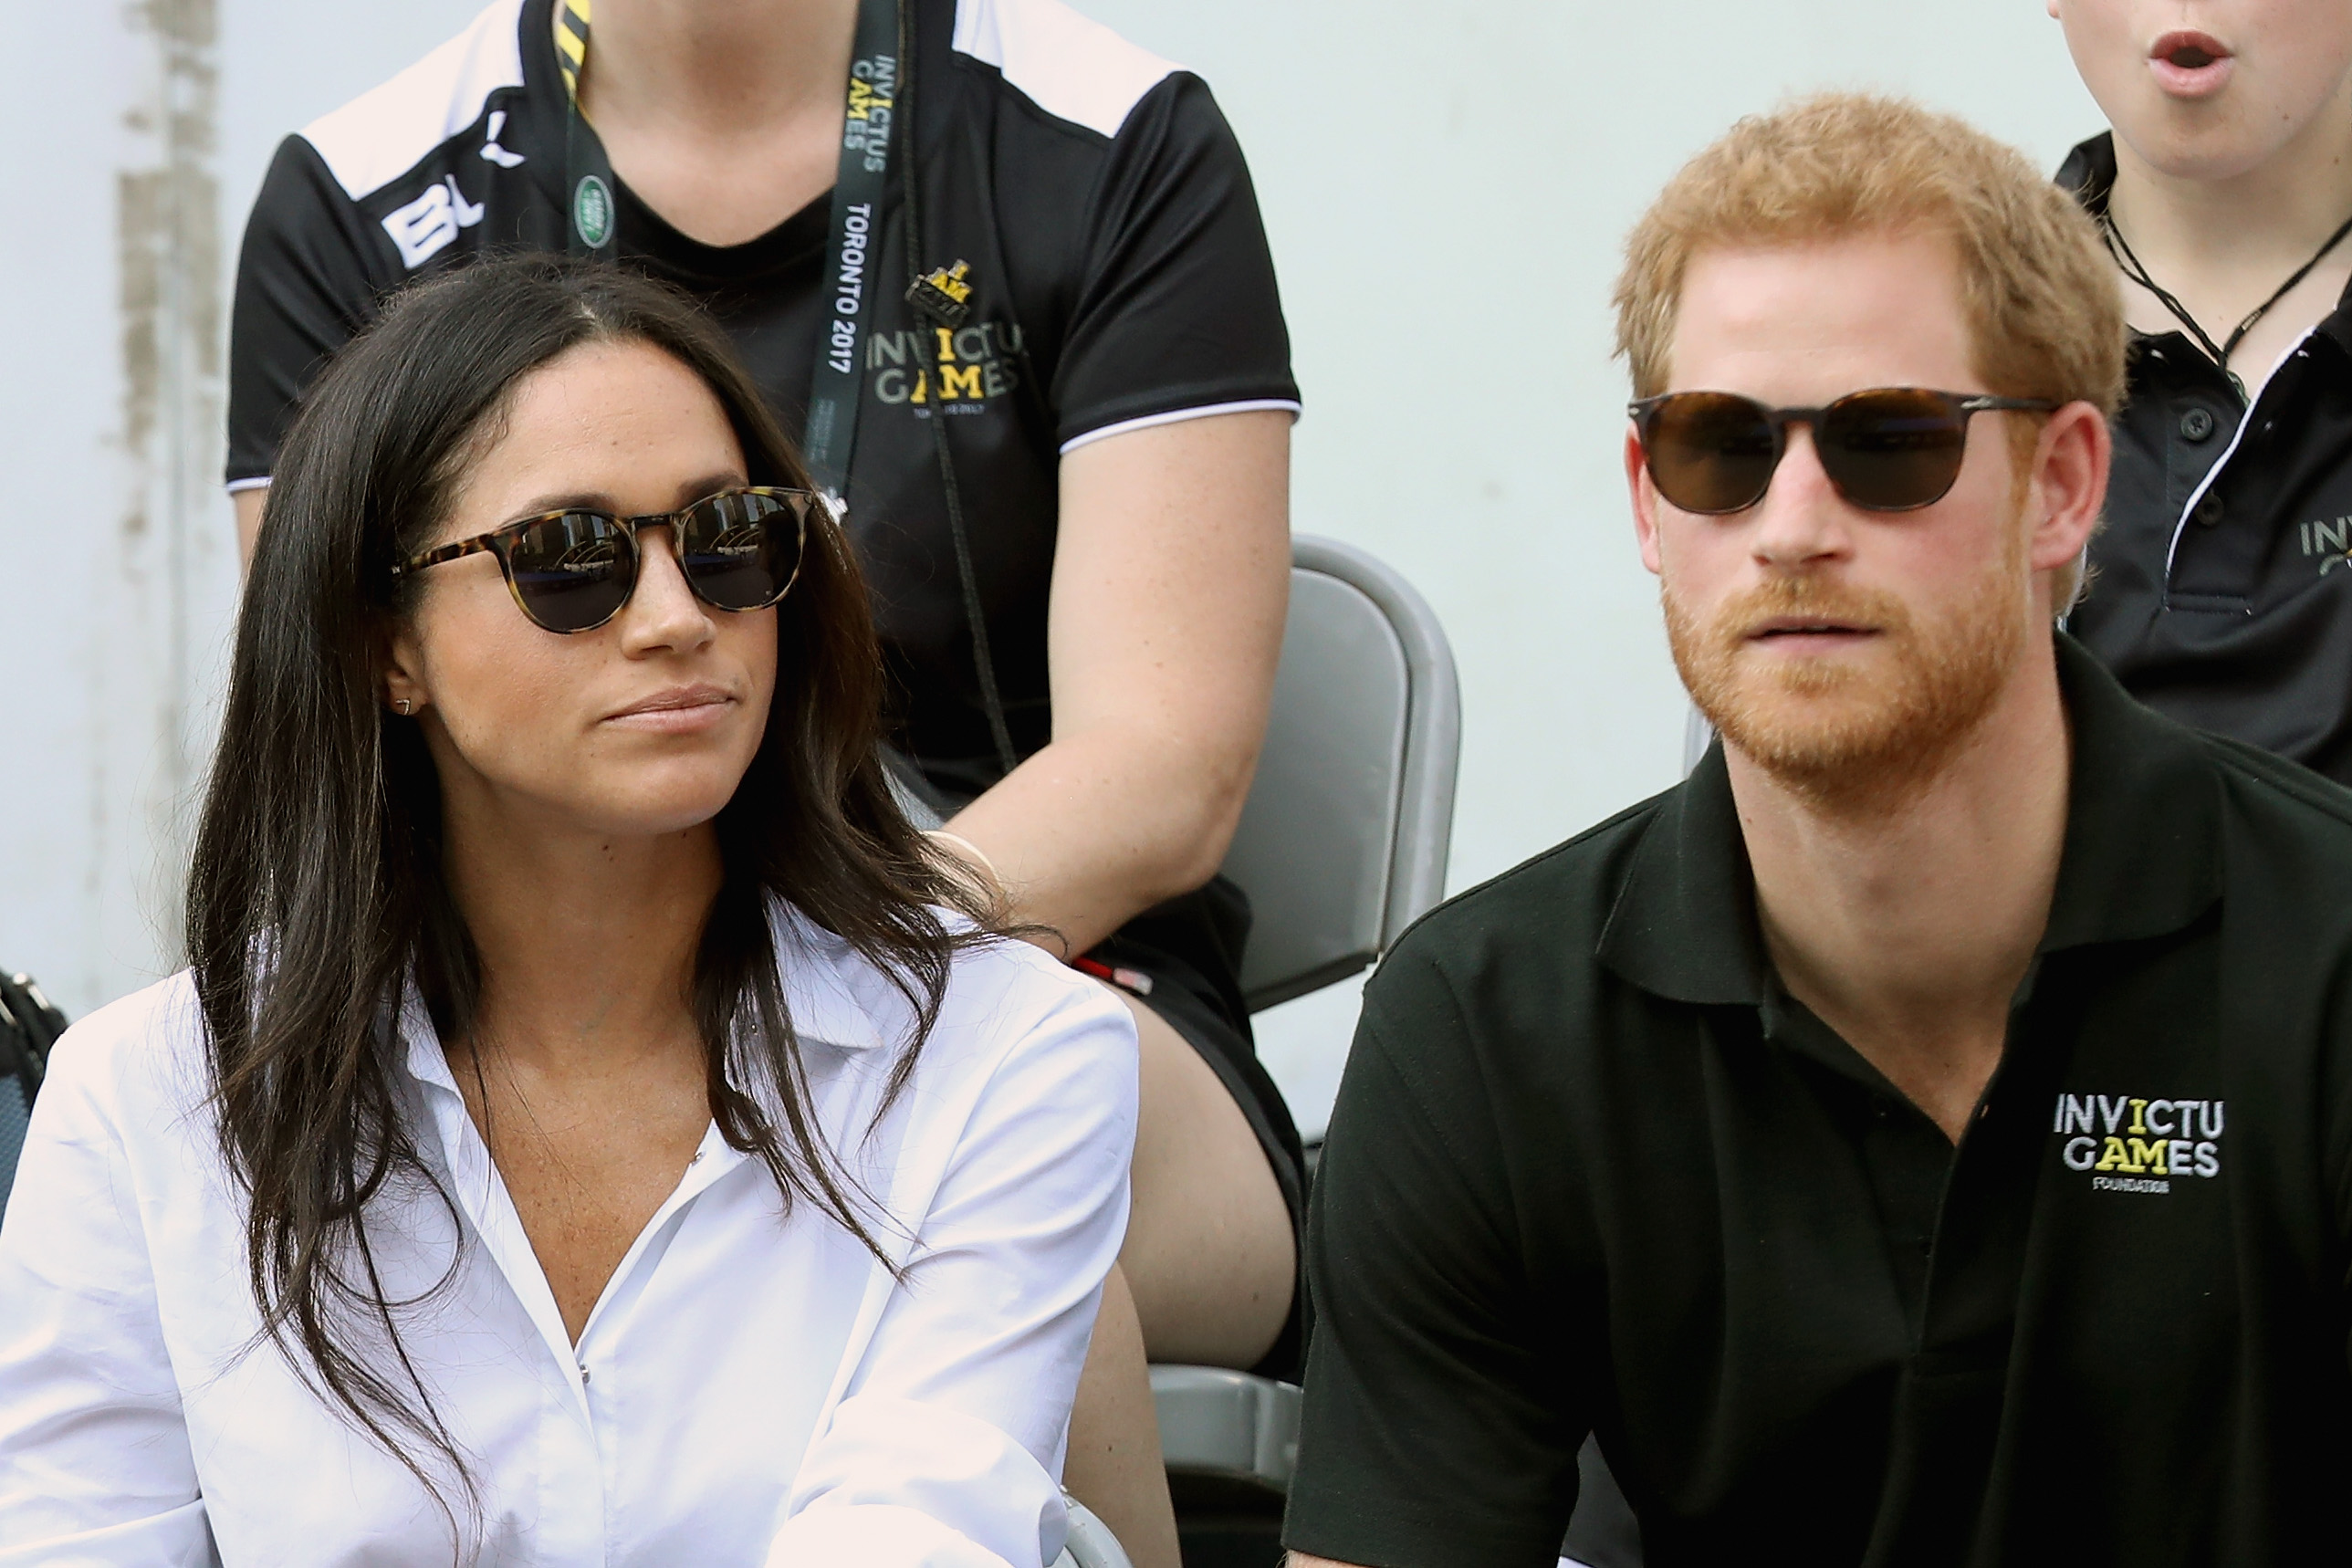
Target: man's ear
[2069,484]
[1646,499]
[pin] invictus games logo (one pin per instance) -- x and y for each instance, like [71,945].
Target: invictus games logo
[2132,1145]
[873,93]
[2331,542]
[957,370]
[591,211]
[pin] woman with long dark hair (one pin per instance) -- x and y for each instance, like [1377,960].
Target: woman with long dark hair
[594,1127]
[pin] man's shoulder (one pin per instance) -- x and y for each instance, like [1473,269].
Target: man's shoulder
[387,131]
[2271,795]
[1546,913]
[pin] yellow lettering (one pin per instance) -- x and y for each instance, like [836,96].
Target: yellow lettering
[2113,1158]
[958,381]
[2148,1155]
[947,345]
[922,387]
[2139,1117]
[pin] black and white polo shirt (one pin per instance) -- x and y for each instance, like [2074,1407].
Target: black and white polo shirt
[1120,277]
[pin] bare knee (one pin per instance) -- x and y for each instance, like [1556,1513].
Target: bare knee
[1210,1255]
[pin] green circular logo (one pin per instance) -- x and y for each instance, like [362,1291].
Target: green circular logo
[591,211]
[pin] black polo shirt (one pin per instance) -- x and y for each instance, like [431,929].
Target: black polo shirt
[1591,1169]
[2221,592]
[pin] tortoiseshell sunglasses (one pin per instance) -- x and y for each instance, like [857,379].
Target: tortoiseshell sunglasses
[572,571]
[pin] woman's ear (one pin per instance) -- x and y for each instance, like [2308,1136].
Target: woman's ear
[403,684]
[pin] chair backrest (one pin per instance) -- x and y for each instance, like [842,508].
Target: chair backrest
[1343,841]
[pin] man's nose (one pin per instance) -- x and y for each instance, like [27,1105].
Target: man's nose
[1802,517]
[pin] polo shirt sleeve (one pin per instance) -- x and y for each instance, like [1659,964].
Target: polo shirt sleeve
[1177,310]
[306,280]
[1438,1432]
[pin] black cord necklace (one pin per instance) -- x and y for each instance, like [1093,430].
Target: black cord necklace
[2134,269]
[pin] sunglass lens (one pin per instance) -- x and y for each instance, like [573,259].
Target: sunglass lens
[1893,448]
[742,550]
[1710,451]
[572,571]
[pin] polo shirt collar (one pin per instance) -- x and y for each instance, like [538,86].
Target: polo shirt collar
[2142,856]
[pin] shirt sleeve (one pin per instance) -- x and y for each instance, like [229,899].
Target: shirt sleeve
[1437,1430]
[946,1448]
[95,1465]
[1177,308]
[307,276]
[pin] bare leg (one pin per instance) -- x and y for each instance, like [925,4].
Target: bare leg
[1208,1253]
[1114,1464]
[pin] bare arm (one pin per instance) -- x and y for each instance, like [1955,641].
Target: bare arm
[248,523]
[1171,574]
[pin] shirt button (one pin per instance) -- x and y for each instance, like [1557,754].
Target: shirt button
[2197,423]
[584,1375]
[2209,511]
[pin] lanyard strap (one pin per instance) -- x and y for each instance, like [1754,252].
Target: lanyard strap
[871,114]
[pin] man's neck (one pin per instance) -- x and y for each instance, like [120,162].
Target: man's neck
[729,71]
[1907,924]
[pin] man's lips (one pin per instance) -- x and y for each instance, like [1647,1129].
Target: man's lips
[2190,64]
[676,710]
[1801,630]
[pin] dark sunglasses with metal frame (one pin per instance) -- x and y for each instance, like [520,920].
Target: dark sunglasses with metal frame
[572,571]
[1887,448]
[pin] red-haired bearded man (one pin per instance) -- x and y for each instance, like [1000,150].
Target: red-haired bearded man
[1925,1135]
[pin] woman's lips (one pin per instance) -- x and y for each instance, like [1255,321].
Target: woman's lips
[677,711]
[2190,63]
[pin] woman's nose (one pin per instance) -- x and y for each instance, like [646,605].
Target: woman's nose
[664,611]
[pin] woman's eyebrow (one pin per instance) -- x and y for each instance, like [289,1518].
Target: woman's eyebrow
[689,493]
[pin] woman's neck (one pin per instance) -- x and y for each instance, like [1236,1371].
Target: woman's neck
[726,70]
[587,943]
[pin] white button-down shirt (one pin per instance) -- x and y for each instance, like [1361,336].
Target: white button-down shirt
[749,1389]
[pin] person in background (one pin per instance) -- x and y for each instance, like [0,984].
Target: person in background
[2221,586]
[594,1127]
[1004,273]
[1924,1136]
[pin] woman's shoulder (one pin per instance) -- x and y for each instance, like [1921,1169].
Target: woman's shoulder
[138,1062]
[1001,996]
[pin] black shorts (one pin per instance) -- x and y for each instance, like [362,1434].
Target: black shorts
[1190,947]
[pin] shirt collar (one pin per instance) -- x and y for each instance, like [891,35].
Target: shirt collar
[2142,854]
[833,997]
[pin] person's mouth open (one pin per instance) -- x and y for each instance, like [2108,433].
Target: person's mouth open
[2190,64]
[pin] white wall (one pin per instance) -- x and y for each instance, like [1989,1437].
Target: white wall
[1445,185]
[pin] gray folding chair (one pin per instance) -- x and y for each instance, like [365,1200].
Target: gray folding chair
[1341,844]
[1343,841]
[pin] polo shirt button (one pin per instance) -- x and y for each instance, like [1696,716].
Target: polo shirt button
[2197,423]
[2209,511]
[584,1375]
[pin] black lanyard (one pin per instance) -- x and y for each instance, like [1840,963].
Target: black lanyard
[873,107]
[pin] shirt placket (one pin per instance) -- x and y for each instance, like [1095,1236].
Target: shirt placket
[1949,1408]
